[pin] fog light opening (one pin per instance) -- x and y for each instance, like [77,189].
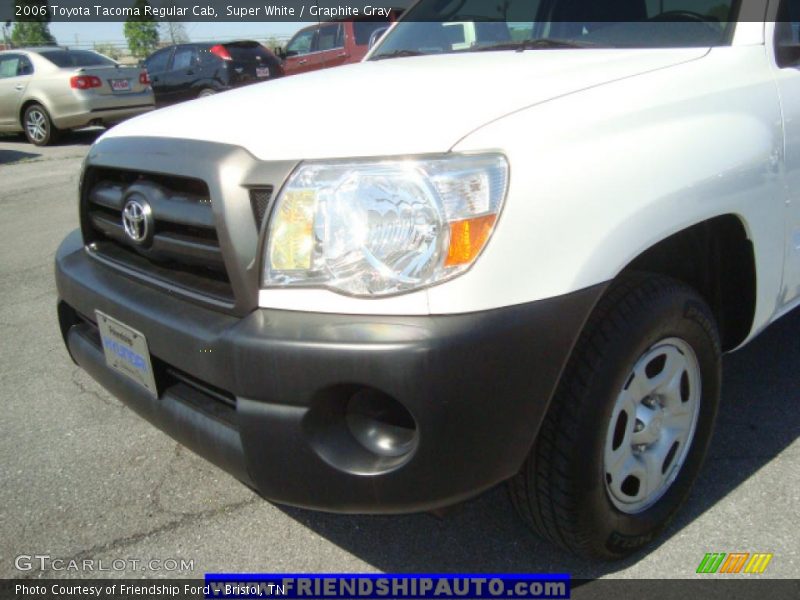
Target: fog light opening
[381,424]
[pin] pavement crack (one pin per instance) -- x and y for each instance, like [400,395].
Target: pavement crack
[39,159]
[155,493]
[122,542]
[16,194]
[106,399]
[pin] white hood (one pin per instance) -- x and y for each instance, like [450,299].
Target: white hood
[393,107]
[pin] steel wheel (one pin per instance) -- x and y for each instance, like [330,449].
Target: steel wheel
[630,423]
[652,426]
[36,125]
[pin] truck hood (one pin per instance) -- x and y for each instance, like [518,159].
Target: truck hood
[393,107]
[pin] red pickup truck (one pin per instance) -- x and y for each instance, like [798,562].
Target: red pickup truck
[332,43]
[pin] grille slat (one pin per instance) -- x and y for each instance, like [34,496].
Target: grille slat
[182,210]
[190,251]
[183,250]
[181,276]
[108,226]
[109,196]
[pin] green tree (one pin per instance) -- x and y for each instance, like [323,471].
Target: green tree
[141,32]
[35,29]
[32,34]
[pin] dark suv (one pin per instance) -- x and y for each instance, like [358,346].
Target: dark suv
[188,71]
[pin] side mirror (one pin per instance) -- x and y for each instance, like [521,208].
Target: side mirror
[788,54]
[377,35]
[787,49]
[280,52]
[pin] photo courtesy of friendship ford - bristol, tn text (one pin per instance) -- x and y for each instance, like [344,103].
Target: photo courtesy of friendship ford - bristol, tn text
[410,299]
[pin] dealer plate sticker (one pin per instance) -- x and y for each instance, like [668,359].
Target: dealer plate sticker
[120,85]
[126,351]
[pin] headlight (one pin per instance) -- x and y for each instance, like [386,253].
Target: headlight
[383,227]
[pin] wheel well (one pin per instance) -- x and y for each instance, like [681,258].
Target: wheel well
[716,258]
[24,107]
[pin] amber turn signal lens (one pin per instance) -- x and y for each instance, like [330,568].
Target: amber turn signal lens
[467,239]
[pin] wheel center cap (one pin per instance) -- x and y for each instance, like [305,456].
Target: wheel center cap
[657,424]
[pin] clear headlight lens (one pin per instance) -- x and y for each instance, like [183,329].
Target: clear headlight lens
[383,227]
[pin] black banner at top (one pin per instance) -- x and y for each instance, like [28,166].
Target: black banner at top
[379,10]
[198,10]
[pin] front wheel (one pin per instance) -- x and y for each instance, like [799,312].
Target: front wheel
[630,423]
[39,128]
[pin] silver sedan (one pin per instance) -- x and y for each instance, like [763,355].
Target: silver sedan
[44,91]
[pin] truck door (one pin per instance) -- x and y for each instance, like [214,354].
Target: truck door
[299,51]
[331,46]
[787,58]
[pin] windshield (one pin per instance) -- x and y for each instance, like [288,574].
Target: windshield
[447,26]
[76,58]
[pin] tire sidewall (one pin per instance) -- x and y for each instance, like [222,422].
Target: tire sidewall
[50,135]
[679,315]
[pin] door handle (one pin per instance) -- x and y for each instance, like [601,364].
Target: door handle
[19,87]
[342,55]
[302,62]
[190,72]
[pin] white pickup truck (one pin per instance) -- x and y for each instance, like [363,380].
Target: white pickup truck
[453,265]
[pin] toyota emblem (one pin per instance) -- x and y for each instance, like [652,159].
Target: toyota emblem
[137,220]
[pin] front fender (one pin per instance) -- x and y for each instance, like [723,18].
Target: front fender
[602,175]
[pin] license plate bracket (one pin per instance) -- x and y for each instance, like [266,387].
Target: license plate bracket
[262,72]
[127,352]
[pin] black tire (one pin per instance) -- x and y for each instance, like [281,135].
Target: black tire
[38,126]
[562,491]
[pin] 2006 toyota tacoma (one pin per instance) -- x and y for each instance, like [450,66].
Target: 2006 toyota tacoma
[456,264]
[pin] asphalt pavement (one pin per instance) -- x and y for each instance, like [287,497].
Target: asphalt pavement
[83,478]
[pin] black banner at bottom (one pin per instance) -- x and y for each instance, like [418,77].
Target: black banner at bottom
[615,589]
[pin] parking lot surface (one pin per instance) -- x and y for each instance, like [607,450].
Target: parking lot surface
[84,478]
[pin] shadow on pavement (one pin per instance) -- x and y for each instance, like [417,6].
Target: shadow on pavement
[12,156]
[81,137]
[756,423]
[20,149]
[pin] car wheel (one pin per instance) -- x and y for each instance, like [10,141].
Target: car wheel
[630,423]
[39,128]
[206,92]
